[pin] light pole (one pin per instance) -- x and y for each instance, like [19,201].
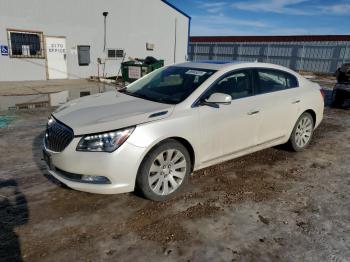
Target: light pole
[104,30]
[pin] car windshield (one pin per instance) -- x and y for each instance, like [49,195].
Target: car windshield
[170,85]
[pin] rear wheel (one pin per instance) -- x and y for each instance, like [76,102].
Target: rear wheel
[302,132]
[164,171]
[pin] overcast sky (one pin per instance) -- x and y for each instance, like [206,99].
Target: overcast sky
[269,17]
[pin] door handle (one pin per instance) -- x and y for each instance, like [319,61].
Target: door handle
[254,112]
[296,102]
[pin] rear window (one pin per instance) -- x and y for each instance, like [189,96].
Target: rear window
[270,80]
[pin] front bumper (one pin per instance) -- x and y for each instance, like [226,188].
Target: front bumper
[119,167]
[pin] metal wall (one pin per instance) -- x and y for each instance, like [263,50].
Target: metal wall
[320,57]
[130,25]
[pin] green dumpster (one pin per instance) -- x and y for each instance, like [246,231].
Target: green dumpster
[133,70]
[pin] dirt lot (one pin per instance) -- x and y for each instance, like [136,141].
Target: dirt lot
[269,206]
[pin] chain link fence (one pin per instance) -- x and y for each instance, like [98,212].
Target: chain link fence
[318,57]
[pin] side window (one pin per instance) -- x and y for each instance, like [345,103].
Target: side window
[292,81]
[270,80]
[236,84]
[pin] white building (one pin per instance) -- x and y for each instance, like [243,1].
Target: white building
[50,39]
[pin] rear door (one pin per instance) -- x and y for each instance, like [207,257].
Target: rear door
[229,129]
[279,97]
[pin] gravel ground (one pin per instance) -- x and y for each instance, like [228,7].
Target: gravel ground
[269,206]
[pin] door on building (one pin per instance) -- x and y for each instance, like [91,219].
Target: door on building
[56,57]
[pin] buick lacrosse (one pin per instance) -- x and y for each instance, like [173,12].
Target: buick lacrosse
[153,134]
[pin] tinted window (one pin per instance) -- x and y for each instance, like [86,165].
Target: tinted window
[236,84]
[270,80]
[169,85]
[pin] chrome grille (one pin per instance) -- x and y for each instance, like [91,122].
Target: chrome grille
[58,136]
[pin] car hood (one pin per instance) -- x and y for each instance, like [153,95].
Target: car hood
[109,111]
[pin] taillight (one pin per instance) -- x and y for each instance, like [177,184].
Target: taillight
[323,93]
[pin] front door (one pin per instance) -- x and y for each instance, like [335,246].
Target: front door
[56,57]
[229,129]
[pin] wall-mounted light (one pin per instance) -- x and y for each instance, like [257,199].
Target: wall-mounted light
[149,46]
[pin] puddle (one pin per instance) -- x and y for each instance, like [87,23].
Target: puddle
[6,120]
[46,100]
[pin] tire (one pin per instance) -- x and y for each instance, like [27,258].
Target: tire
[164,171]
[336,101]
[302,132]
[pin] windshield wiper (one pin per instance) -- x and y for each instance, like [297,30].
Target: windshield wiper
[146,97]
[125,91]
[122,90]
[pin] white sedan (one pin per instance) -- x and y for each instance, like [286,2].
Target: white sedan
[153,134]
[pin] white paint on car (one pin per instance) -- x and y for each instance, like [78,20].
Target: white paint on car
[216,133]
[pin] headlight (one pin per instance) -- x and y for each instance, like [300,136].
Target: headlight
[50,121]
[104,142]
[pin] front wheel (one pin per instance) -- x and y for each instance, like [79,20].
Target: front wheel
[302,132]
[164,171]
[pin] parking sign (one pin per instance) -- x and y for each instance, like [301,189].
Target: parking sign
[4,50]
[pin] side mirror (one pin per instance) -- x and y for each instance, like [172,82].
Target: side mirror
[219,98]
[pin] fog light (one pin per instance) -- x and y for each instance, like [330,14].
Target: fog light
[95,179]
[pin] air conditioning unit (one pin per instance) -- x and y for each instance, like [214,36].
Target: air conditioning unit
[113,53]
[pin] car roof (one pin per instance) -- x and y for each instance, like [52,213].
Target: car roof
[211,65]
[215,65]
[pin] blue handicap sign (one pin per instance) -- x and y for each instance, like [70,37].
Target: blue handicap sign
[4,50]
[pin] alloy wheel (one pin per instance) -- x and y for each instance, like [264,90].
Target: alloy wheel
[167,172]
[303,132]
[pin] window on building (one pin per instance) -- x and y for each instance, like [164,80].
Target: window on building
[270,80]
[115,53]
[23,44]
[84,55]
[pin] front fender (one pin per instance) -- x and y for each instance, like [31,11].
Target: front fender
[184,126]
